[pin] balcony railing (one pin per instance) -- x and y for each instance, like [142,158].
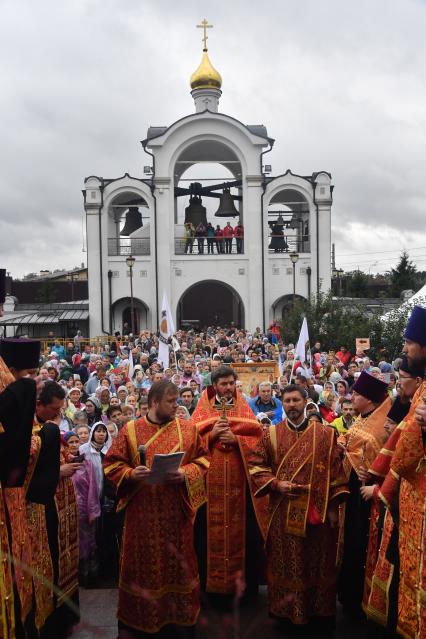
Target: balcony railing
[279,243]
[120,246]
[208,246]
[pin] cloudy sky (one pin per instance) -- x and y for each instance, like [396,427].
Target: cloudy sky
[340,85]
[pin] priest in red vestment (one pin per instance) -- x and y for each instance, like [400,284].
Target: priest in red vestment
[298,463]
[229,530]
[380,601]
[159,590]
[362,444]
[409,467]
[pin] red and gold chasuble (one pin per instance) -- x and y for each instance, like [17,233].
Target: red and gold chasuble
[68,542]
[408,465]
[159,582]
[301,546]
[227,480]
[378,570]
[7,611]
[365,438]
[42,567]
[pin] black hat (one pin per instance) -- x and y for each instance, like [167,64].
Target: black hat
[20,353]
[370,387]
[416,326]
[17,406]
[398,411]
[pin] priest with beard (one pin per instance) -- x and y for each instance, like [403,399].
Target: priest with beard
[230,526]
[298,464]
[159,590]
[408,467]
[361,444]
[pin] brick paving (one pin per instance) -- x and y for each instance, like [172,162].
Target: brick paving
[98,609]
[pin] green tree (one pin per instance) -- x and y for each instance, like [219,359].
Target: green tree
[387,330]
[334,323]
[404,276]
[358,284]
[330,321]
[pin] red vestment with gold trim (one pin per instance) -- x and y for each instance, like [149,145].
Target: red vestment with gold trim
[7,611]
[301,545]
[227,481]
[68,542]
[408,465]
[159,582]
[378,570]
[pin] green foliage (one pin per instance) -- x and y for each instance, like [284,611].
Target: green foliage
[330,321]
[333,323]
[358,284]
[387,331]
[404,276]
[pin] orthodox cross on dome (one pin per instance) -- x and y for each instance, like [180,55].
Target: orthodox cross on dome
[205,25]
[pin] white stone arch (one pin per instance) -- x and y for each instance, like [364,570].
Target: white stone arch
[299,238]
[222,311]
[282,304]
[120,312]
[115,194]
[215,122]
[206,138]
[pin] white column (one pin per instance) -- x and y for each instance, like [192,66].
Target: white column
[165,240]
[252,250]
[325,247]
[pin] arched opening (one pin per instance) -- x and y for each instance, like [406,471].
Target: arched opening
[210,303]
[282,306]
[129,225]
[121,315]
[288,220]
[208,193]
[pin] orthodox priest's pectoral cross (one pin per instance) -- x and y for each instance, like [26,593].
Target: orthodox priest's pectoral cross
[223,407]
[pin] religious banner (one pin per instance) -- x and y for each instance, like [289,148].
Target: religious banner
[362,343]
[251,374]
[167,329]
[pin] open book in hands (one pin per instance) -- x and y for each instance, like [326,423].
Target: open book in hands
[162,465]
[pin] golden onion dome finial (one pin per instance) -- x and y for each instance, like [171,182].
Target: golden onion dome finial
[206,76]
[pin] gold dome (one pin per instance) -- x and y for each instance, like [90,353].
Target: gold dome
[206,76]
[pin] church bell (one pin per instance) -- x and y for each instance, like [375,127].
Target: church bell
[195,212]
[133,221]
[280,221]
[226,205]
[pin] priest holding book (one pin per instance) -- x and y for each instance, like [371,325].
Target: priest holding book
[158,585]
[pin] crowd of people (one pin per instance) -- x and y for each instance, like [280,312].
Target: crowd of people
[219,238]
[312,481]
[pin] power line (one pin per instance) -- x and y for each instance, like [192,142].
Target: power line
[414,248]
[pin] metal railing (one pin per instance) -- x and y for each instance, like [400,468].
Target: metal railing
[120,246]
[288,243]
[209,246]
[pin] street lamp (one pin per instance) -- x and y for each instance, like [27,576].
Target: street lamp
[337,274]
[294,258]
[130,262]
[309,273]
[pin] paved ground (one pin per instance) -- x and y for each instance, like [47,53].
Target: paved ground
[98,608]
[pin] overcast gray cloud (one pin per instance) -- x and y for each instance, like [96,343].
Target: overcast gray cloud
[341,86]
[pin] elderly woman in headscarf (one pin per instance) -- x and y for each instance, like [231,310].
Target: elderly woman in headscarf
[93,410]
[104,397]
[89,510]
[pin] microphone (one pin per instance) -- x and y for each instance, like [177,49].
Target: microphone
[142,454]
